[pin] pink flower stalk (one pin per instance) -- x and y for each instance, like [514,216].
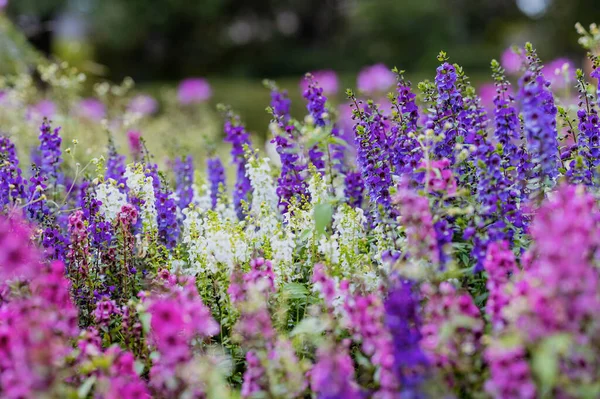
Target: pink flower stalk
[324,285]
[417,220]
[135,144]
[194,90]
[91,109]
[260,278]
[366,318]
[510,376]
[375,79]
[327,80]
[333,374]
[254,376]
[439,176]
[105,308]
[453,351]
[500,264]
[143,104]
[128,215]
[18,257]
[511,61]
[560,284]
[36,334]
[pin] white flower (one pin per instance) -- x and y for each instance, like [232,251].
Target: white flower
[112,199]
[140,186]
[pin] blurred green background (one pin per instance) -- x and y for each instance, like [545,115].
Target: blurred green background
[237,43]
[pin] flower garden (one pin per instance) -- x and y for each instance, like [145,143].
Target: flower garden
[433,243]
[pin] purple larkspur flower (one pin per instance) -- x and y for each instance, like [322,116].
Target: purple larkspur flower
[193,90]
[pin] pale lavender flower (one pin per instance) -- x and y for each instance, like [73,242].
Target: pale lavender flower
[143,104]
[92,109]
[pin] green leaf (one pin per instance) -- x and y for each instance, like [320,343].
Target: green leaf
[86,387]
[323,214]
[545,360]
[310,326]
[295,291]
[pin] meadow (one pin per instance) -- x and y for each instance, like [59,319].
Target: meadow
[426,240]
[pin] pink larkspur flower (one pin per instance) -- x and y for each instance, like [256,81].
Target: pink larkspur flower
[511,61]
[375,79]
[135,144]
[193,90]
[327,80]
[559,72]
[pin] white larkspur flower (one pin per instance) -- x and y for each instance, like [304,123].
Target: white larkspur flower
[112,199]
[140,186]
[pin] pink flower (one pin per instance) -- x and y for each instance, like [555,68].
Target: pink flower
[327,80]
[559,72]
[143,104]
[487,93]
[92,109]
[128,215]
[135,144]
[511,61]
[18,258]
[194,90]
[43,109]
[440,177]
[375,79]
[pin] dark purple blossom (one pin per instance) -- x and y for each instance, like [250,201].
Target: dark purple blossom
[216,178]
[184,180]
[12,184]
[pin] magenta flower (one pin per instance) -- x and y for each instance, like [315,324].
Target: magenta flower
[511,61]
[91,109]
[440,177]
[18,258]
[487,93]
[135,144]
[327,80]
[143,104]
[375,79]
[193,90]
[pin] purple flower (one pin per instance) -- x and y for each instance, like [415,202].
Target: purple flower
[236,134]
[143,104]
[12,184]
[443,118]
[115,166]
[407,152]
[184,181]
[216,178]
[403,320]
[49,151]
[326,78]
[315,100]
[373,153]
[166,211]
[193,90]
[92,109]
[539,115]
[354,189]
[375,79]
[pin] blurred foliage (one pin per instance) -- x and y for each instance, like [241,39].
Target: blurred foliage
[170,39]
